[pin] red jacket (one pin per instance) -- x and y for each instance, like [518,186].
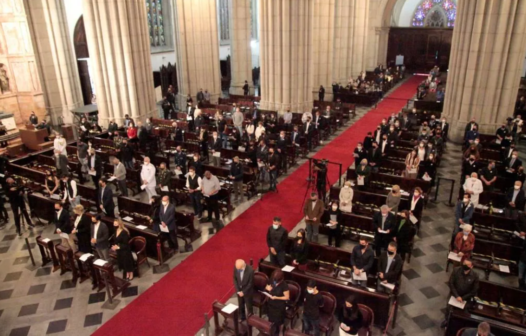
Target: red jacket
[132,132]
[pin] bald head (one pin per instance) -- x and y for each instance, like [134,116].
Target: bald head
[240,264]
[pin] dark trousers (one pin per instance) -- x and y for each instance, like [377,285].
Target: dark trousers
[172,239]
[128,164]
[336,235]
[95,180]
[196,203]
[311,325]
[273,177]
[17,208]
[3,211]
[278,258]
[212,207]
[246,300]
[275,328]
[122,187]
[381,240]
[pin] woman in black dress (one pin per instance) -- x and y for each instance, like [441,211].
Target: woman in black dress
[334,224]
[277,304]
[82,228]
[405,232]
[122,247]
[52,183]
[351,319]
[300,250]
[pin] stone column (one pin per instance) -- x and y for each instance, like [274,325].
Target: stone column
[323,46]
[241,54]
[119,46]
[487,54]
[286,54]
[381,41]
[197,49]
[351,42]
[55,58]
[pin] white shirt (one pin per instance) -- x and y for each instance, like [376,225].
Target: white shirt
[250,129]
[413,203]
[199,182]
[475,185]
[148,174]
[66,191]
[60,145]
[58,213]
[305,116]
[77,221]
[307,128]
[259,130]
[421,153]
[384,143]
[95,230]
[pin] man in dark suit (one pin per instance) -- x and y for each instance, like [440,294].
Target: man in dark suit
[295,136]
[246,89]
[389,265]
[384,225]
[472,125]
[105,198]
[368,141]
[61,163]
[319,121]
[63,225]
[94,167]
[167,218]
[180,159]
[100,236]
[515,198]
[244,285]
[308,129]
[281,146]
[374,156]
[16,198]
[321,93]
[217,145]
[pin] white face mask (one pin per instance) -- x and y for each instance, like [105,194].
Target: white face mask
[165,203]
[517,187]
[310,291]
[275,226]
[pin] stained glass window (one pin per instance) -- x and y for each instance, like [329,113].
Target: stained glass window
[431,13]
[154,10]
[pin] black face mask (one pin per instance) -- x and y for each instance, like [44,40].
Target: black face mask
[363,246]
[391,253]
[466,268]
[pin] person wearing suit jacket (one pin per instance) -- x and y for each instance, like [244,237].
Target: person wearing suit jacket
[374,156]
[217,145]
[469,127]
[61,163]
[100,236]
[334,224]
[308,129]
[463,213]
[82,229]
[281,146]
[119,172]
[359,154]
[368,141]
[362,173]
[105,198]
[405,232]
[515,198]
[417,204]
[63,225]
[390,265]
[319,121]
[167,219]
[94,167]
[244,285]
[313,210]
[384,225]
[295,136]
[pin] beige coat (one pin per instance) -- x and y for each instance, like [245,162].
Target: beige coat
[346,195]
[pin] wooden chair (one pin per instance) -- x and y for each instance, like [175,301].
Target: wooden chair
[260,282]
[368,320]
[327,313]
[263,326]
[138,248]
[293,303]
[230,324]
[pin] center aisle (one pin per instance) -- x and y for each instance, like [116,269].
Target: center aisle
[175,305]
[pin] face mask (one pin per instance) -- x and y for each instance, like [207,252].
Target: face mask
[363,164]
[275,226]
[299,237]
[471,159]
[466,233]
[391,253]
[466,267]
[517,187]
[57,210]
[165,203]
[363,246]
[310,291]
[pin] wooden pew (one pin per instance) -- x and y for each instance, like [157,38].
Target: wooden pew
[381,303]
[429,105]
[495,227]
[459,319]
[378,197]
[502,303]
[404,183]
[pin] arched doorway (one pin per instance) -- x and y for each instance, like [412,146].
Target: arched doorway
[80,44]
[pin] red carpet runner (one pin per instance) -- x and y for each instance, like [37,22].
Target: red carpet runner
[175,305]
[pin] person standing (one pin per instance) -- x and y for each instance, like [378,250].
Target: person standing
[33,119]
[389,265]
[277,303]
[384,225]
[311,309]
[63,227]
[393,198]
[473,186]
[59,144]
[194,186]
[211,187]
[165,176]
[405,233]
[148,178]
[95,167]
[61,163]
[346,196]
[105,198]
[180,159]
[362,259]
[334,224]
[237,120]
[16,198]
[244,285]
[82,155]
[127,153]
[246,89]
[168,222]
[82,229]
[236,176]
[119,172]
[70,191]
[313,210]
[273,162]
[100,237]
[217,145]
[122,247]
[463,213]
[276,242]
[300,250]
[321,93]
